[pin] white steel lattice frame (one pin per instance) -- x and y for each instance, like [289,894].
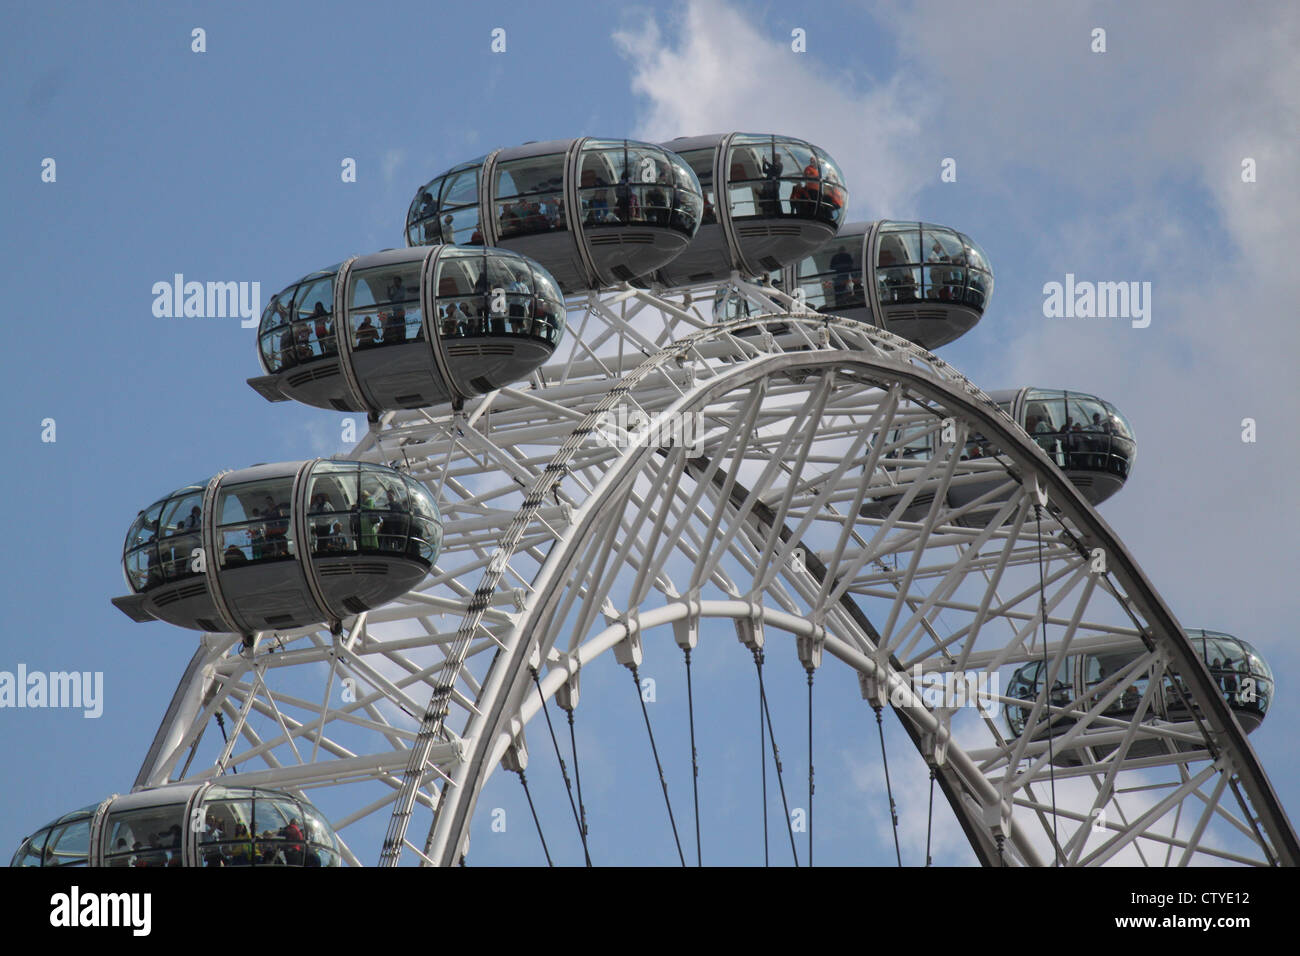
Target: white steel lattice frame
[564,541]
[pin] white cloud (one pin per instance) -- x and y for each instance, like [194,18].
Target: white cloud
[1117,166]
[715,72]
[392,162]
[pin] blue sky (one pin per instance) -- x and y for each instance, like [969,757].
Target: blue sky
[225,166]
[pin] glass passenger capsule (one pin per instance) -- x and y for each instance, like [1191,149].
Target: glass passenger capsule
[1088,439]
[929,284]
[280,546]
[241,826]
[1241,675]
[409,328]
[781,198]
[594,212]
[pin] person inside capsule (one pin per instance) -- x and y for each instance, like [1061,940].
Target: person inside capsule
[1241,675]
[150,829]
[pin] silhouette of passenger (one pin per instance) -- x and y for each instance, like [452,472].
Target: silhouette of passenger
[842,266]
[395,318]
[770,192]
[367,334]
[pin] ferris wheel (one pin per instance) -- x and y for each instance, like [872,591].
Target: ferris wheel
[625,402]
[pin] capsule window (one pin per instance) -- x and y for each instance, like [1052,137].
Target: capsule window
[530,196]
[280,342]
[425,224]
[426,524]
[599,172]
[279,837]
[458,208]
[797,159]
[424,205]
[1258,665]
[548,309]
[141,557]
[31,853]
[69,843]
[255,522]
[1099,668]
[462,285]
[331,499]
[768,178]
[269,335]
[1087,414]
[181,533]
[1118,422]
[946,281]
[975,256]
[314,320]
[271,315]
[382,518]
[898,244]
[701,163]
[832,277]
[149,837]
[227,838]
[145,528]
[385,306]
[183,514]
[322,846]
[509,299]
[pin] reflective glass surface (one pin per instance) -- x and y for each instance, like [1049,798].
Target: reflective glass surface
[254,522]
[163,542]
[1027,683]
[495,292]
[263,828]
[297,325]
[148,837]
[701,163]
[831,278]
[918,262]
[623,183]
[445,210]
[65,842]
[1099,669]
[241,827]
[384,305]
[1080,432]
[1244,677]
[770,177]
[528,196]
[363,508]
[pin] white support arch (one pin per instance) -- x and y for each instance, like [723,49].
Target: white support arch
[929,562]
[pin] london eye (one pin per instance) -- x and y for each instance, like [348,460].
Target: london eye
[625,408]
